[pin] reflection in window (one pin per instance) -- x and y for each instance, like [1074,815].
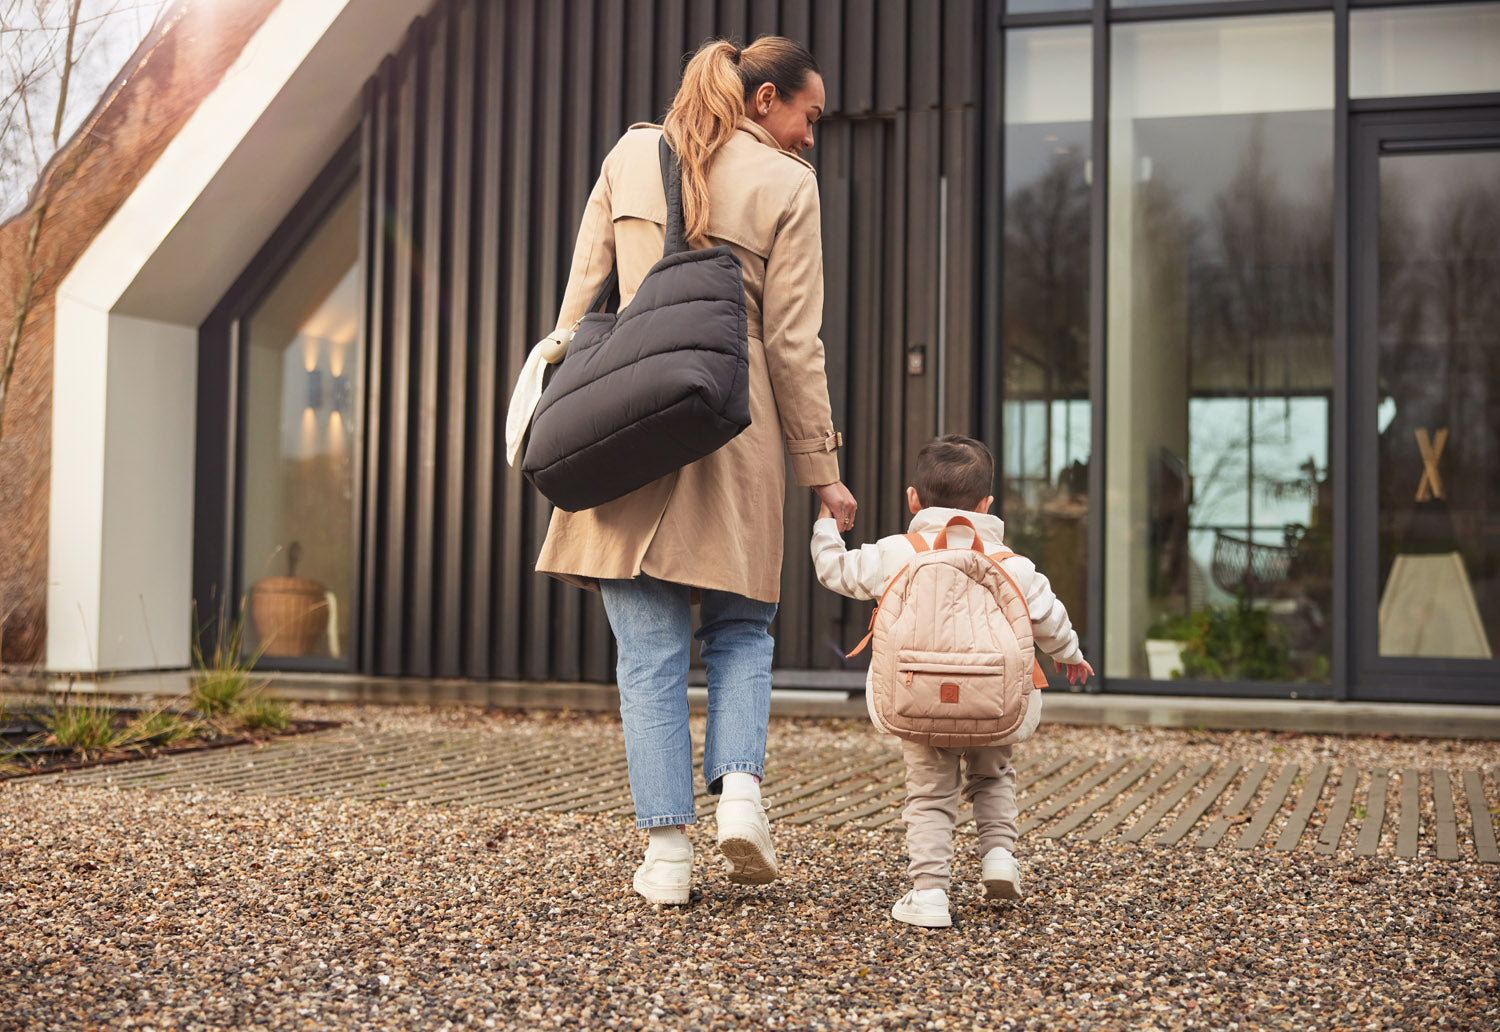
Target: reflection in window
[1046,418]
[1220,349]
[1421,51]
[1439,405]
[300,425]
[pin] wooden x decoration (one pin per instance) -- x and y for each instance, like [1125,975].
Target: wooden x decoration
[1431,484]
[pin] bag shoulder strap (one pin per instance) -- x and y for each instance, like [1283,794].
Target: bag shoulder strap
[671,184]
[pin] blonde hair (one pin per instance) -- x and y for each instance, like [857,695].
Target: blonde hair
[717,84]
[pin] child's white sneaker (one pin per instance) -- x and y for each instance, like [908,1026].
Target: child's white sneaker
[926,908]
[1000,874]
[666,875]
[745,841]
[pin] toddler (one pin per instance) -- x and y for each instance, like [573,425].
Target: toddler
[954,475]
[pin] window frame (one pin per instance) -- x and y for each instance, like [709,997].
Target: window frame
[219,583]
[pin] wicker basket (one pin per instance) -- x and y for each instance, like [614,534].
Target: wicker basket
[290,615]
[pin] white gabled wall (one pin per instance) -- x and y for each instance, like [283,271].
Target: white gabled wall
[119,582]
[145,594]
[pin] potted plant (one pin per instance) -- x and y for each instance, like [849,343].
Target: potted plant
[1239,642]
[1165,641]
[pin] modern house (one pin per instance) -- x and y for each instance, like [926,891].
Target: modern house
[1215,280]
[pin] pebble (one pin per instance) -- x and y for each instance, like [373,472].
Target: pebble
[159,910]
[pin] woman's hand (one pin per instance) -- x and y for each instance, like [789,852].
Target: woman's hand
[838,503]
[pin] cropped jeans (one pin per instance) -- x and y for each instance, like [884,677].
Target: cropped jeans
[652,623]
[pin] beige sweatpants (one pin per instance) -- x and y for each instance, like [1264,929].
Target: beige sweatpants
[934,783]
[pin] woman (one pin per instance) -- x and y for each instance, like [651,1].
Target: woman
[711,533]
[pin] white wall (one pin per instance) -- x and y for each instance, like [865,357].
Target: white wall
[146,592]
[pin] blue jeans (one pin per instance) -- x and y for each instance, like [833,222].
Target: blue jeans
[652,622]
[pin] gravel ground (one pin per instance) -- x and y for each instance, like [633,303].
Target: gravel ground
[160,910]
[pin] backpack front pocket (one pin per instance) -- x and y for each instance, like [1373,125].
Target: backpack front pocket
[949,685]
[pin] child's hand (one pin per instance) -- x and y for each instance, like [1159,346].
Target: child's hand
[824,513]
[1077,672]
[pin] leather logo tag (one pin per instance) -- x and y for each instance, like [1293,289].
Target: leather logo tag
[948,692]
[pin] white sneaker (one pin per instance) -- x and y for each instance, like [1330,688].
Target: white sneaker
[926,908]
[665,877]
[1001,875]
[745,841]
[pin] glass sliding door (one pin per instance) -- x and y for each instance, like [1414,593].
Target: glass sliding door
[1427,382]
[1218,507]
[299,430]
[1047,421]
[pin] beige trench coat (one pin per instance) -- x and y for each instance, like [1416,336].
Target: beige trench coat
[717,522]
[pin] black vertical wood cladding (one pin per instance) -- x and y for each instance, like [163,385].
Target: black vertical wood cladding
[481,140]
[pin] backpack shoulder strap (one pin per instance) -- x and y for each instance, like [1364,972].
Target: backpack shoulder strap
[918,542]
[1038,677]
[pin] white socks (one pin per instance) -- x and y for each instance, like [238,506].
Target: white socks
[669,842]
[739,784]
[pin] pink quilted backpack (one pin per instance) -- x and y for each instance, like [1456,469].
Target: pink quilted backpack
[953,664]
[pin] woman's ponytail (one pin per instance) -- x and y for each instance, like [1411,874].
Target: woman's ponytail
[705,115]
[710,105]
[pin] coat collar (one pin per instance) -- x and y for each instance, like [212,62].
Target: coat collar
[755,130]
[762,135]
[933,519]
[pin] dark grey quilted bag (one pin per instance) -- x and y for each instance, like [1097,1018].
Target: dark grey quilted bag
[649,390]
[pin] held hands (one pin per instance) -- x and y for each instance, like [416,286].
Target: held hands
[1077,672]
[838,503]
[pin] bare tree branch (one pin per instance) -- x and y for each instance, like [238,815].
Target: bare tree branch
[57,56]
[67,73]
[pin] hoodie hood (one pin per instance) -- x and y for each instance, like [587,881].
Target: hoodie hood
[991,528]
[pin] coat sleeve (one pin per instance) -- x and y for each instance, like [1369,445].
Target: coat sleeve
[593,254]
[858,574]
[1051,628]
[792,315]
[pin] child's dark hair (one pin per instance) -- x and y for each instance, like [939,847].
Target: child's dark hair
[954,472]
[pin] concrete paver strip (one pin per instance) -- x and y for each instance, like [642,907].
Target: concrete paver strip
[1082,813]
[824,793]
[1041,811]
[1411,813]
[486,766]
[497,780]
[1312,791]
[1118,815]
[1446,824]
[850,807]
[1479,813]
[1198,807]
[1374,819]
[1338,813]
[1141,828]
[804,794]
[1251,833]
[1234,810]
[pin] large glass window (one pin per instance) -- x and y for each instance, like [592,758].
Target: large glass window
[1219,383]
[1416,51]
[1438,391]
[300,424]
[1047,421]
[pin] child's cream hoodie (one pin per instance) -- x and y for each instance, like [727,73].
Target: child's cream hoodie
[865,572]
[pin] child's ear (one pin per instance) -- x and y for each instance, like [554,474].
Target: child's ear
[984,506]
[912,501]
